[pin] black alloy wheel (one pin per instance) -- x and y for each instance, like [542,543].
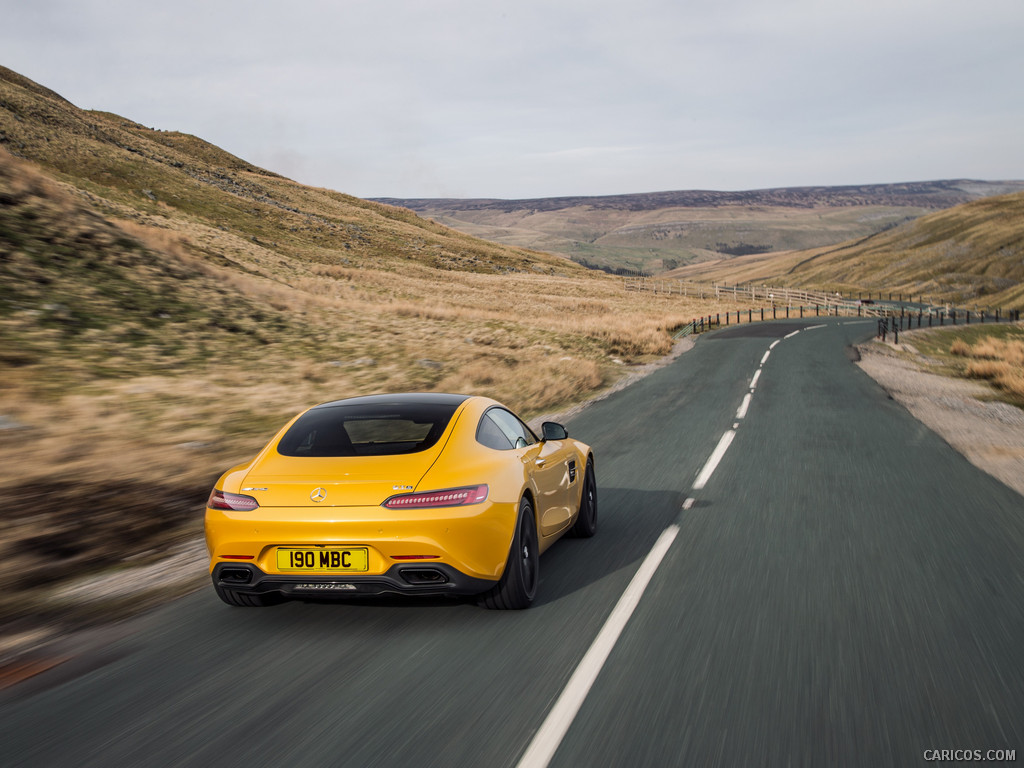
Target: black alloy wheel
[518,584]
[586,521]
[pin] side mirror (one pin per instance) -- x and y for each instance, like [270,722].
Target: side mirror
[552,431]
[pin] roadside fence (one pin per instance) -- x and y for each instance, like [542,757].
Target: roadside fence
[787,303]
[774,312]
[894,323]
[766,293]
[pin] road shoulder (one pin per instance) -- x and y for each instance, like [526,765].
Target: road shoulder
[989,434]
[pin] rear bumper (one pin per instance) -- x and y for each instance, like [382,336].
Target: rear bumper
[473,540]
[403,579]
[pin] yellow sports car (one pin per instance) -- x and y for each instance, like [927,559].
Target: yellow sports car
[421,494]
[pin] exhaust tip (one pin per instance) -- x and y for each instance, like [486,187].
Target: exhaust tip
[236,575]
[423,576]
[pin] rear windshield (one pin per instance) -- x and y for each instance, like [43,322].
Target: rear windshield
[366,430]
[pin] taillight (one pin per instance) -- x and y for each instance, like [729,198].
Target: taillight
[449,497]
[232,501]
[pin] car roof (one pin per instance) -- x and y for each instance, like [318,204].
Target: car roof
[402,398]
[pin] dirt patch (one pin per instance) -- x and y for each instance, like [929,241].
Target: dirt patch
[989,433]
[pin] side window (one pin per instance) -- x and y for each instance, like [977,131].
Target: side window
[518,434]
[488,433]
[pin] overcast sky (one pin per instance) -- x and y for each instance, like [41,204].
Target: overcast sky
[539,98]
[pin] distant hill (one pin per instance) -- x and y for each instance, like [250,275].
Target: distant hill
[658,231]
[969,254]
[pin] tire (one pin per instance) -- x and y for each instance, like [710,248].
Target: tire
[240,600]
[518,584]
[586,521]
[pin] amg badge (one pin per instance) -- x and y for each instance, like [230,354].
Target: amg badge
[327,585]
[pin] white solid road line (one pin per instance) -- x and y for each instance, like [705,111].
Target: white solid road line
[556,724]
[741,412]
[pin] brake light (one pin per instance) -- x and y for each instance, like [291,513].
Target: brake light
[449,497]
[232,501]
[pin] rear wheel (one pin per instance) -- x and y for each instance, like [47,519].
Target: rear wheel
[586,521]
[518,584]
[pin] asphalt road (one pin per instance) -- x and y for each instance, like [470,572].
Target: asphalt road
[844,589]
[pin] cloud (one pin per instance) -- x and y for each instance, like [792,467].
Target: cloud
[535,98]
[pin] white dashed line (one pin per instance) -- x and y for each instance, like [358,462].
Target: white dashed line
[791,335]
[548,738]
[546,741]
[712,463]
[742,411]
[814,327]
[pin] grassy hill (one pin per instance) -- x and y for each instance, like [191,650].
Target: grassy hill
[660,231]
[971,254]
[166,306]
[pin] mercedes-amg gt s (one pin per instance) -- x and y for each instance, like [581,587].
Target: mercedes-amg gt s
[409,493]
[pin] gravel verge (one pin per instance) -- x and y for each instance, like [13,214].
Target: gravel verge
[989,434]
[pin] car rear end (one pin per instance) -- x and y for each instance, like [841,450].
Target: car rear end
[333,507]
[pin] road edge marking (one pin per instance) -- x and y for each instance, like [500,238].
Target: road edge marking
[549,736]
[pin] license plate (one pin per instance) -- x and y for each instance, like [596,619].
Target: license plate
[322,559]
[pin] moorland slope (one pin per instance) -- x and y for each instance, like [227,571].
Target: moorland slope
[660,231]
[971,254]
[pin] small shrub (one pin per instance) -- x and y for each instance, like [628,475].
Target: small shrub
[986,369]
[960,348]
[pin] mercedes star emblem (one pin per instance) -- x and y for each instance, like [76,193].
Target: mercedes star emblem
[318,495]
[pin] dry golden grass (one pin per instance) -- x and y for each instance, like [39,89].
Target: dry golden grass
[143,353]
[999,361]
[960,348]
